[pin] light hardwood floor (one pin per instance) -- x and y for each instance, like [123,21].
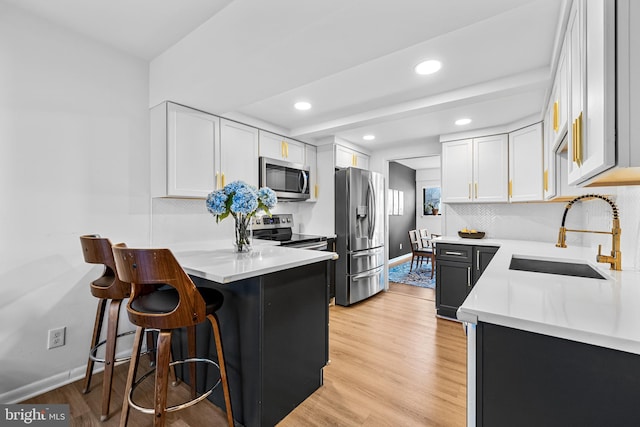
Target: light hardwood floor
[393,363]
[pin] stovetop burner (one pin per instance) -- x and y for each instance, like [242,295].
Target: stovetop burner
[279,227]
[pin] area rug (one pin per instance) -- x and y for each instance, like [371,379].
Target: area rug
[420,276]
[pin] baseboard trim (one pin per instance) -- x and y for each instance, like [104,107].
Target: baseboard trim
[44,385]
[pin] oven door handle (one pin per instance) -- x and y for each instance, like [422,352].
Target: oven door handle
[317,246]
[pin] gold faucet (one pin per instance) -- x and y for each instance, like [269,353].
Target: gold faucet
[615,259]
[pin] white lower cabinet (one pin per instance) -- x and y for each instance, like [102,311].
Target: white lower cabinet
[526,164]
[184,151]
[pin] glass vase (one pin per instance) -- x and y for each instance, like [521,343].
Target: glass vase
[242,240]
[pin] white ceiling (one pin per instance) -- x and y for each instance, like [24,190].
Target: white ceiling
[353,60]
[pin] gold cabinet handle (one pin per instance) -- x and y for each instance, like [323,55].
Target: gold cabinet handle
[476,190]
[354,160]
[217,181]
[315,191]
[286,149]
[510,188]
[579,140]
[545,180]
[284,156]
[574,141]
[556,124]
[223,181]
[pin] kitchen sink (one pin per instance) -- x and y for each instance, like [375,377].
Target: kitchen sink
[565,268]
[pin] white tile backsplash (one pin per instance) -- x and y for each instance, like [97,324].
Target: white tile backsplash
[541,221]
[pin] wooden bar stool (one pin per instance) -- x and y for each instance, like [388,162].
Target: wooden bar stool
[181,305]
[107,287]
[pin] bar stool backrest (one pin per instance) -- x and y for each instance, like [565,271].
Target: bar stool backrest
[147,269]
[97,250]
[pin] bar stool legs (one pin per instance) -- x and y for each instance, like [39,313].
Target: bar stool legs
[97,328]
[213,319]
[110,352]
[164,369]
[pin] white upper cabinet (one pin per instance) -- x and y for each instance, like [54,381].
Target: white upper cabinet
[559,101]
[310,159]
[281,148]
[457,171]
[591,50]
[475,170]
[549,174]
[184,153]
[346,157]
[238,153]
[490,173]
[526,164]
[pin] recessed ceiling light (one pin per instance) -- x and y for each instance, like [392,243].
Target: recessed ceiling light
[428,67]
[369,137]
[462,122]
[302,105]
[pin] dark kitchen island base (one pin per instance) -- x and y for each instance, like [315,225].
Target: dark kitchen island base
[530,379]
[275,336]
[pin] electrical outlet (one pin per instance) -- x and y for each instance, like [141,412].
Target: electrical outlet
[56,337]
[400,245]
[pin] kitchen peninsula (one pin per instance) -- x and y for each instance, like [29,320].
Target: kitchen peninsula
[274,324]
[551,349]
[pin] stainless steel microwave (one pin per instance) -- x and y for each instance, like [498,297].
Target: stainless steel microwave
[290,181]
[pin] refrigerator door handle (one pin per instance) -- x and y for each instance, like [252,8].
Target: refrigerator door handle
[368,253]
[372,209]
[368,274]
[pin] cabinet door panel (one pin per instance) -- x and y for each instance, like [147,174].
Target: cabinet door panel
[239,152]
[576,58]
[457,166]
[294,151]
[525,164]
[191,156]
[549,155]
[271,145]
[482,257]
[453,283]
[598,142]
[490,160]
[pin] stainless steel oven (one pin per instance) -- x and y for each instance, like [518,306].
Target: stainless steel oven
[290,181]
[279,227]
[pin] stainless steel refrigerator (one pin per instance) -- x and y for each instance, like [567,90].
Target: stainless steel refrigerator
[359,220]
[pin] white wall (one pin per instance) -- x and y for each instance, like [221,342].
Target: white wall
[73,160]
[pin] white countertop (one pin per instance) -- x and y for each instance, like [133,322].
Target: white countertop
[603,312]
[216,261]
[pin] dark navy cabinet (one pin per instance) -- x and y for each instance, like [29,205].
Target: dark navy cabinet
[458,268]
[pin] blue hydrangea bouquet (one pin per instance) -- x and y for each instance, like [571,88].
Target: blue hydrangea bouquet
[242,201]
